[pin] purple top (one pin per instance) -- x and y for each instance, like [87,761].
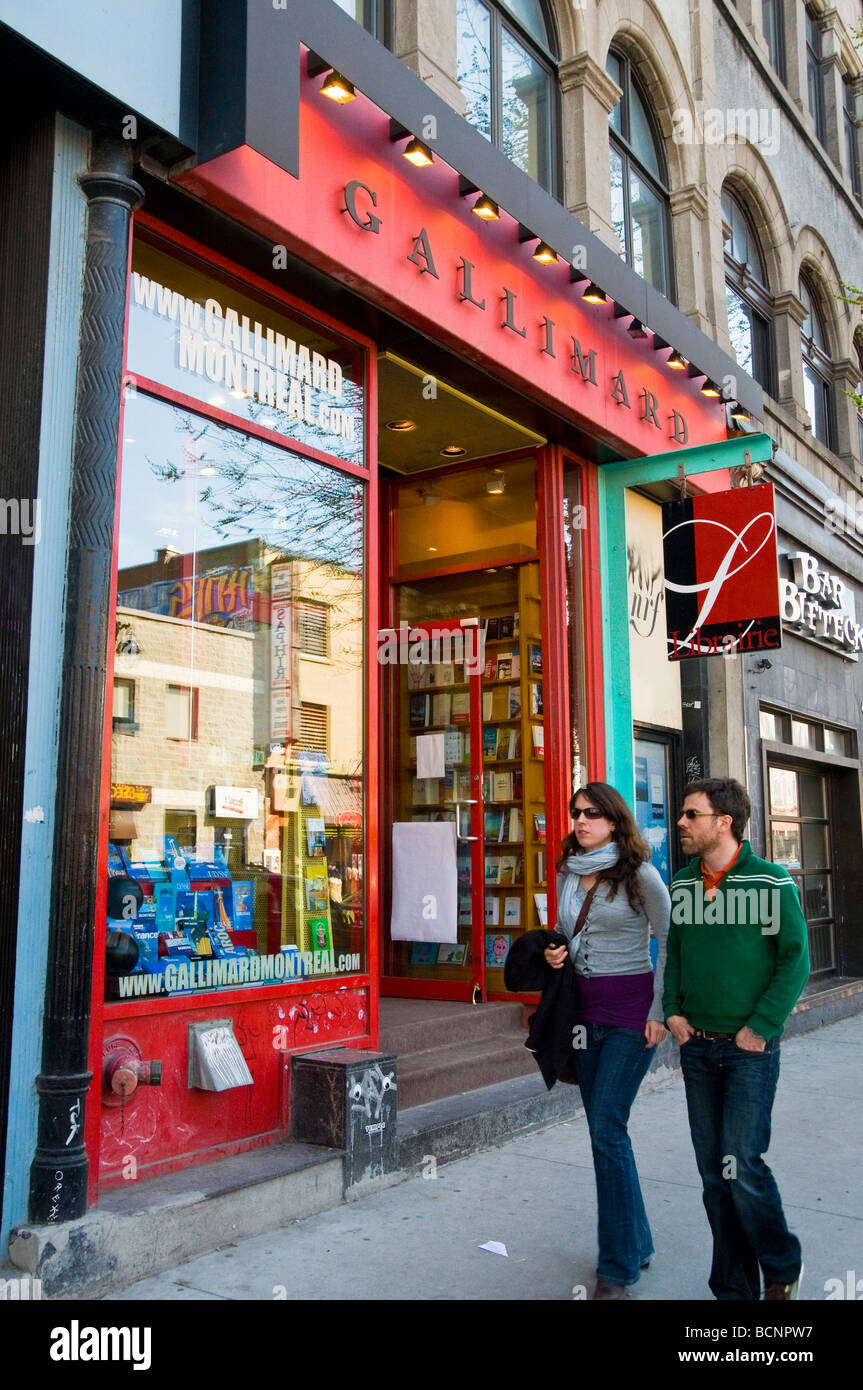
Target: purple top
[618,1001]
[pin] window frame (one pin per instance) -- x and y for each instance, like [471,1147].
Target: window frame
[620,142]
[815,75]
[193,692]
[851,129]
[124,723]
[502,19]
[819,364]
[756,297]
[306,605]
[776,50]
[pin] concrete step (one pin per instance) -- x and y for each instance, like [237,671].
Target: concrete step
[144,1228]
[413,1025]
[461,1066]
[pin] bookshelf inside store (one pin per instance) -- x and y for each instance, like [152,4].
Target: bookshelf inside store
[508,809]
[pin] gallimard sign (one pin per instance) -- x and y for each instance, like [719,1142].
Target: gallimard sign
[228,972]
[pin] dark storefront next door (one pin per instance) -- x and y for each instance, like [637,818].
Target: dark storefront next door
[801,840]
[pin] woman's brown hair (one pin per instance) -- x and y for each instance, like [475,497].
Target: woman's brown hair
[632,850]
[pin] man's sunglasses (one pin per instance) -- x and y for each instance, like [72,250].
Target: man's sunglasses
[693,815]
[592,812]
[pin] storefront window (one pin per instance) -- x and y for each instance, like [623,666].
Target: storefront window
[237,792]
[800,840]
[574,522]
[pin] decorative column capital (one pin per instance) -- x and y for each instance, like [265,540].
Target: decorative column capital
[584,71]
[689,199]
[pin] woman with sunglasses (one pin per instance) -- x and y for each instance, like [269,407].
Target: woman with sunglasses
[608,899]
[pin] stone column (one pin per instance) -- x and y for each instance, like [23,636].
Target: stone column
[588,95]
[846,377]
[58,1174]
[789,317]
[425,40]
[691,257]
[832,70]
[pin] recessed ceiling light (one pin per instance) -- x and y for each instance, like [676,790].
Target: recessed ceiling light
[401,426]
[496,484]
[453,451]
[338,88]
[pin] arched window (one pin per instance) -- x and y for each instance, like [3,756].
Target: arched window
[507,74]
[750,308]
[858,399]
[817,371]
[639,181]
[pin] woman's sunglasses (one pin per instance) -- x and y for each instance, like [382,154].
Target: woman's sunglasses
[592,812]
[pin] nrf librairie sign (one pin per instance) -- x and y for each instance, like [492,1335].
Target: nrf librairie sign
[721,575]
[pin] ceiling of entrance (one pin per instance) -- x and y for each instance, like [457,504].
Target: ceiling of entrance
[442,417]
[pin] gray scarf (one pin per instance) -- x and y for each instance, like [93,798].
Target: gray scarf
[575,866]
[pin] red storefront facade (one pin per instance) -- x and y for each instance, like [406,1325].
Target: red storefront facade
[215,385]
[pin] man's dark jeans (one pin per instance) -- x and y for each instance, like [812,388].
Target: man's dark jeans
[729,1095]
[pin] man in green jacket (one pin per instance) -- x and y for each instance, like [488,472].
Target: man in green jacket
[737,960]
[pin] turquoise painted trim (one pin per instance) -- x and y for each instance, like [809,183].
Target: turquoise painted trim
[613,480]
[62,329]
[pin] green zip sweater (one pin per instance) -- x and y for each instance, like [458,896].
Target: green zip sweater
[741,959]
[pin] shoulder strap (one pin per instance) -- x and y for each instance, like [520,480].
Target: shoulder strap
[585,908]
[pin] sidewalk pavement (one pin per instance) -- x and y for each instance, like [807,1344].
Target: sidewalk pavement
[535,1195]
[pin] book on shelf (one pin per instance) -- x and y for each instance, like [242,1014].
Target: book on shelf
[487,787]
[535,658]
[497,949]
[441,705]
[445,675]
[419,711]
[501,787]
[317,896]
[452,955]
[493,827]
[453,746]
[412,751]
[508,863]
[500,702]
[450,793]
[535,698]
[418,675]
[539,824]
[541,900]
[507,627]
[492,632]
[516,623]
[517,785]
[512,912]
[316,837]
[464,911]
[486,705]
[424,952]
[515,825]
[537,735]
[492,870]
[507,744]
[514,701]
[504,667]
[490,669]
[492,910]
[540,866]
[489,742]
[461,707]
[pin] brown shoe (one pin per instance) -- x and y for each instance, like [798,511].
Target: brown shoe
[606,1291]
[783,1292]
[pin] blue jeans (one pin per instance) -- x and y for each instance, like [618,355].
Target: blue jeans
[610,1070]
[729,1095]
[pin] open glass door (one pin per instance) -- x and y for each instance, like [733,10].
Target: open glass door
[433,711]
